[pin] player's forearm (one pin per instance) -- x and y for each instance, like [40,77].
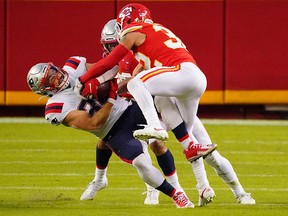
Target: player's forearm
[105,64]
[100,118]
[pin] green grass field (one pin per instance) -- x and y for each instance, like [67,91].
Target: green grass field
[45,169]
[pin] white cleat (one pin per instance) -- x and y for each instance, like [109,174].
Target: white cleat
[206,196]
[150,133]
[93,188]
[245,199]
[152,196]
[181,200]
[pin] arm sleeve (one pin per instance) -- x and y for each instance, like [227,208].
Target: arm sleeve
[105,64]
[108,75]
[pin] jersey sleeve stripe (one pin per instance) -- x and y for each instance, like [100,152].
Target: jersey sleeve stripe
[54,108]
[72,62]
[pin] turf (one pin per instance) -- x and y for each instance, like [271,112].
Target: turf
[45,169]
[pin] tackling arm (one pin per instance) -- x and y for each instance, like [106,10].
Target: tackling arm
[128,41]
[105,64]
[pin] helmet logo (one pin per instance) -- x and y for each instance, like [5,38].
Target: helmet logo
[31,83]
[125,12]
[143,14]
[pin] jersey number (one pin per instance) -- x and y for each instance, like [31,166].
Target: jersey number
[173,43]
[91,106]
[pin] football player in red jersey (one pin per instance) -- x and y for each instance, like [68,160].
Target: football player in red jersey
[219,163]
[169,70]
[103,153]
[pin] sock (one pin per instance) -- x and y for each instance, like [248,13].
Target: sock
[200,174]
[145,101]
[100,174]
[225,170]
[102,160]
[182,135]
[166,163]
[166,188]
[152,118]
[103,157]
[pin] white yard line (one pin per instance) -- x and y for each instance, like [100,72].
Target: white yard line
[274,163]
[123,174]
[33,120]
[127,188]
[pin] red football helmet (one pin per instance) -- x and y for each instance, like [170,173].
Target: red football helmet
[132,13]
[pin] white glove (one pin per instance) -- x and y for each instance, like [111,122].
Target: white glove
[78,88]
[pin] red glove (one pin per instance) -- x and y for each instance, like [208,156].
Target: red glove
[113,91]
[90,89]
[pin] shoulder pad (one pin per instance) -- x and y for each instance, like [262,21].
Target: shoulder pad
[130,28]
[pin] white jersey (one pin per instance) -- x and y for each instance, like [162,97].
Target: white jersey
[60,104]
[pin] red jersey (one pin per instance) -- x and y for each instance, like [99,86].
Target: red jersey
[160,48]
[126,67]
[127,64]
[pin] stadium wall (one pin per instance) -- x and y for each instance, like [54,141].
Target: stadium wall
[240,45]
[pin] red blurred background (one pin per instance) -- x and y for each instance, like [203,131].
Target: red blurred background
[240,45]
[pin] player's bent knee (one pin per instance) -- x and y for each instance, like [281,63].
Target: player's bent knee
[102,145]
[158,147]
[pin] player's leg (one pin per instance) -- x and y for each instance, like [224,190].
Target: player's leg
[152,176]
[166,162]
[145,101]
[171,116]
[185,82]
[173,120]
[100,181]
[130,150]
[222,166]
[152,195]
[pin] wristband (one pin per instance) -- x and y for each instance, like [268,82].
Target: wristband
[111,100]
[100,79]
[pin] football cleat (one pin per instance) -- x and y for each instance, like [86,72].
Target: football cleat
[206,196]
[181,200]
[150,133]
[245,199]
[196,151]
[152,196]
[93,188]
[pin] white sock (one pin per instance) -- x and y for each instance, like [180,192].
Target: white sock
[185,141]
[200,174]
[145,101]
[100,174]
[225,170]
[173,180]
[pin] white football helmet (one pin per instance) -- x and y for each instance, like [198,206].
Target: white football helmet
[109,36]
[46,79]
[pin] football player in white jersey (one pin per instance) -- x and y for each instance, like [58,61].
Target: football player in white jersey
[112,121]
